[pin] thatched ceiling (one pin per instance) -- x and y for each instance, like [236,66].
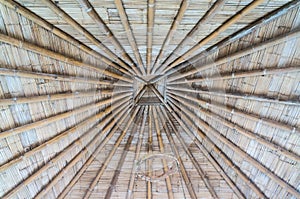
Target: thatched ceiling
[149,99]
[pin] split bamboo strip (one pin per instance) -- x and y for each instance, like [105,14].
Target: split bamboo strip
[182,8]
[210,130]
[162,150]
[108,33]
[60,136]
[112,152]
[236,96]
[117,113]
[58,32]
[80,155]
[216,150]
[55,77]
[43,122]
[250,50]
[121,161]
[182,169]
[237,112]
[150,25]
[137,155]
[54,55]
[189,153]
[130,35]
[216,7]
[150,151]
[87,34]
[214,34]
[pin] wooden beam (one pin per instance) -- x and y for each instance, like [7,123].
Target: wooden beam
[217,135]
[182,8]
[58,32]
[216,7]
[130,35]
[46,121]
[197,166]
[150,25]
[108,33]
[60,57]
[235,95]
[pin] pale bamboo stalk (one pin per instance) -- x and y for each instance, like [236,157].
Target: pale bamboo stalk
[107,32]
[216,7]
[241,130]
[112,152]
[150,150]
[234,111]
[117,114]
[130,35]
[236,96]
[60,57]
[208,129]
[58,32]
[55,77]
[214,34]
[137,154]
[162,150]
[150,25]
[189,153]
[45,121]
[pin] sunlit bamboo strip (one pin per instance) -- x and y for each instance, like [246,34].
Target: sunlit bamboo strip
[107,32]
[84,152]
[216,150]
[130,35]
[189,153]
[45,121]
[137,155]
[182,169]
[109,122]
[162,150]
[234,111]
[60,136]
[150,25]
[235,95]
[210,130]
[279,149]
[216,7]
[50,27]
[215,33]
[111,153]
[294,34]
[56,77]
[150,150]
[177,20]
[121,160]
[60,57]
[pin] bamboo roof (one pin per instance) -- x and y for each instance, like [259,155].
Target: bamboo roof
[149,99]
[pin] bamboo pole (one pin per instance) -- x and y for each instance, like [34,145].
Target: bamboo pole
[189,153]
[45,121]
[108,33]
[137,154]
[233,111]
[182,8]
[129,34]
[112,152]
[209,130]
[58,32]
[150,150]
[162,150]
[54,55]
[216,7]
[150,25]
[216,33]
[250,50]
[110,122]
[236,96]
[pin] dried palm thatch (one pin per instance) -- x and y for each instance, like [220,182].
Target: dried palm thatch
[89,90]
